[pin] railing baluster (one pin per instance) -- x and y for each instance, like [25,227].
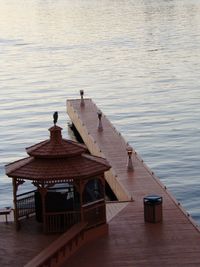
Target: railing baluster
[94,213]
[26,204]
[61,221]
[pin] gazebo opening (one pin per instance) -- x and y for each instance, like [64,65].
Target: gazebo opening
[69,184]
[57,199]
[93,191]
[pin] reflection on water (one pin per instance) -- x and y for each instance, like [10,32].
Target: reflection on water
[138,60]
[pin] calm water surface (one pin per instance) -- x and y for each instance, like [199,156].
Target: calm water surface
[139,61]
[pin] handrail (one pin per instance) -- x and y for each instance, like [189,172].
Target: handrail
[89,204]
[26,193]
[63,244]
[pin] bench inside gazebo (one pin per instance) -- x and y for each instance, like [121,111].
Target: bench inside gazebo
[69,184]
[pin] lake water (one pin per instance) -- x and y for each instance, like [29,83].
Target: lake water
[138,60]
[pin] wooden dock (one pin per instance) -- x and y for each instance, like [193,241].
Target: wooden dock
[131,241]
[19,247]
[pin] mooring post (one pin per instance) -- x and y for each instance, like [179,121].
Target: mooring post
[100,127]
[82,99]
[130,163]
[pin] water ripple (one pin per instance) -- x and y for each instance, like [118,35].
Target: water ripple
[138,60]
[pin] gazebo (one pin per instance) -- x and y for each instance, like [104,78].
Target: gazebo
[69,182]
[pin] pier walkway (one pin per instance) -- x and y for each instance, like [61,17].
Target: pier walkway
[131,241]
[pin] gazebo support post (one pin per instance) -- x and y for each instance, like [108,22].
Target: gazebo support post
[14,183]
[42,189]
[81,199]
[102,179]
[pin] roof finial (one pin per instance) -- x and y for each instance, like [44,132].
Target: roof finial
[55,117]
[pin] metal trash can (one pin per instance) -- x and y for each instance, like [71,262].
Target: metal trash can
[153,208]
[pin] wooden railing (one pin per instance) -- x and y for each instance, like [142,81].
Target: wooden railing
[94,213]
[58,252]
[26,204]
[61,221]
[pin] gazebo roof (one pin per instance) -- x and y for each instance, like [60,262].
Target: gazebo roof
[55,159]
[56,146]
[58,168]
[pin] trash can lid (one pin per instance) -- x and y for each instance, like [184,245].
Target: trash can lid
[153,198]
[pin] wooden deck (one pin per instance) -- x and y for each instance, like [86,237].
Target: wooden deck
[19,247]
[131,241]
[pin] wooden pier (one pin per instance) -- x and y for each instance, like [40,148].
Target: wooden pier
[131,240]
[175,241]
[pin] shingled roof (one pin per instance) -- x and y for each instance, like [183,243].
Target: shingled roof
[55,159]
[56,146]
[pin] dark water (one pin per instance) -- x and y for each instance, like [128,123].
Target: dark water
[138,60]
